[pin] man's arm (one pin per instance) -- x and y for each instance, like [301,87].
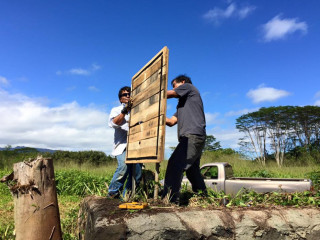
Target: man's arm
[119,119]
[171,121]
[172,94]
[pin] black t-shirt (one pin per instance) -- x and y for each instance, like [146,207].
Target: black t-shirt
[190,114]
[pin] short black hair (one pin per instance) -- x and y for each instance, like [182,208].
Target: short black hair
[125,88]
[182,78]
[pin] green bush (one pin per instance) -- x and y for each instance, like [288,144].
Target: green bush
[315,178]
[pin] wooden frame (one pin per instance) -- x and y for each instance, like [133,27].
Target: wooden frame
[147,124]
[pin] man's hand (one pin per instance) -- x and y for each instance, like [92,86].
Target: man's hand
[126,109]
[171,121]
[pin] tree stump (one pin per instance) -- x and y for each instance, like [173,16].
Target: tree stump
[36,212]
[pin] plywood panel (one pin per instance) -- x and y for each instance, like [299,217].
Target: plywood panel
[147,118]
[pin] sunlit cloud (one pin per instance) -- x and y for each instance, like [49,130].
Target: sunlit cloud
[95,67]
[244,12]
[278,28]
[31,122]
[80,71]
[266,94]
[228,138]
[317,103]
[217,15]
[213,118]
[4,81]
[93,89]
[317,95]
[240,112]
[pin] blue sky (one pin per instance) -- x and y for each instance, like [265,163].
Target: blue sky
[62,62]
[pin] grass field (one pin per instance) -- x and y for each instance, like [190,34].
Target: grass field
[76,181]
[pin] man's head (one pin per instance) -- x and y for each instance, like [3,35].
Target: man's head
[181,79]
[124,94]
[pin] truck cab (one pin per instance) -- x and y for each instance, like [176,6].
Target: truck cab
[214,175]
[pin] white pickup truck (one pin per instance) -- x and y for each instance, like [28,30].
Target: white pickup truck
[219,176]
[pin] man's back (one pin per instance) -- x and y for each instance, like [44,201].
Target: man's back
[190,113]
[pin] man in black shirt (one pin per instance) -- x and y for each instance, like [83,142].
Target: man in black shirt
[191,134]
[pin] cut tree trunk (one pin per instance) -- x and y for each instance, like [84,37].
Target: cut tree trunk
[36,212]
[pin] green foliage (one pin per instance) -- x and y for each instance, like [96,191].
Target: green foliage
[75,182]
[211,144]
[90,157]
[4,190]
[70,217]
[246,198]
[8,157]
[288,128]
[315,178]
[262,174]
[6,231]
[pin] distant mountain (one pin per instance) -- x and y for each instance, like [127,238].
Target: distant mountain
[29,149]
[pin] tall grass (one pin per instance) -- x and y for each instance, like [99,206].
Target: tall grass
[248,168]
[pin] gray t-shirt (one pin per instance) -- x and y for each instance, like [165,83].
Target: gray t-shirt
[190,114]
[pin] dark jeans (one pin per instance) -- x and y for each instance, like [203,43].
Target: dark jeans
[186,157]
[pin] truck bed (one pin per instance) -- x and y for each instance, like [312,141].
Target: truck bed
[263,185]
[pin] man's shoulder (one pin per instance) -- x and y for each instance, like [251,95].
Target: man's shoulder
[117,108]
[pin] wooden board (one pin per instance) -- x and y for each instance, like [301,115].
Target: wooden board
[146,135]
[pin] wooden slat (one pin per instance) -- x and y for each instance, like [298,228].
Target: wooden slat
[147,125]
[147,147]
[151,90]
[164,51]
[149,113]
[139,89]
[147,73]
[150,133]
[148,151]
[145,160]
[149,87]
[151,142]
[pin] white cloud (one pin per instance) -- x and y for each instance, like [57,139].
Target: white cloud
[216,15]
[29,122]
[317,103]
[80,71]
[317,95]
[240,112]
[171,140]
[4,81]
[266,94]
[95,67]
[278,28]
[228,138]
[244,12]
[93,89]
[212,118]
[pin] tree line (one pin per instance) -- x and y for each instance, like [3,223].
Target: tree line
[281,130]
[9,156]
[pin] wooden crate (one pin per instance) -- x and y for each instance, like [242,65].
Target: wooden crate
[146,136]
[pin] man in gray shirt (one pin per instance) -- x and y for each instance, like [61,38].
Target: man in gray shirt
[191,134]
